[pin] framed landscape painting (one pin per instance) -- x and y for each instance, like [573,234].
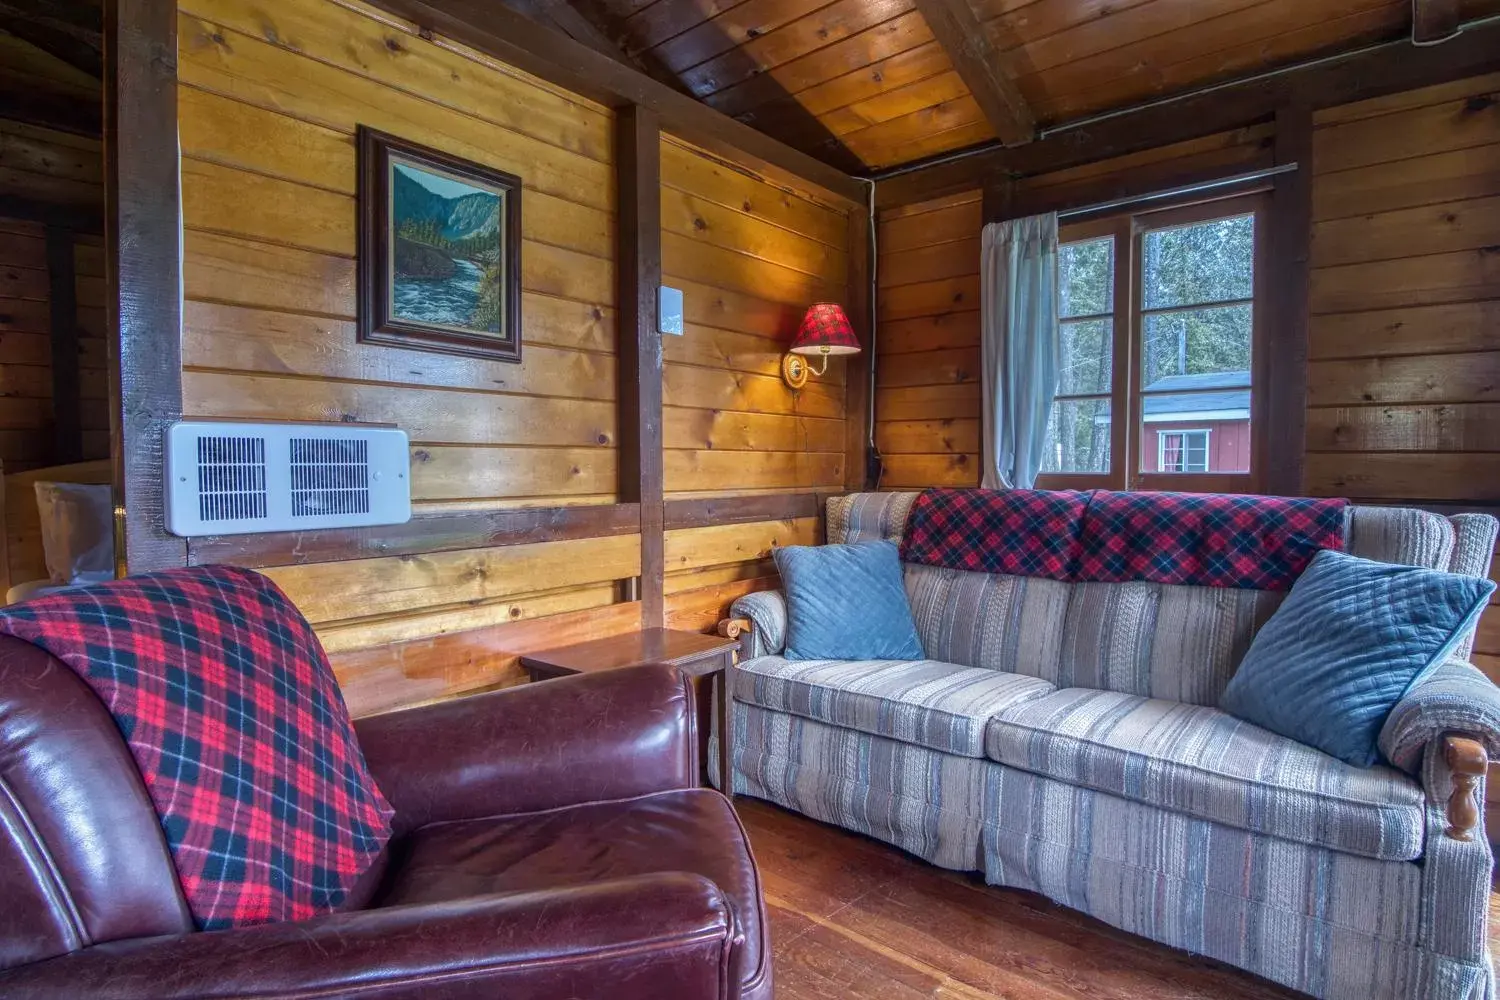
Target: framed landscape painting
[439,251]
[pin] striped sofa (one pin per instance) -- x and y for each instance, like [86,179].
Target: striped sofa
[1064,738]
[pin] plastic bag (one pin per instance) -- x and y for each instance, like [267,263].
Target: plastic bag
[78,531]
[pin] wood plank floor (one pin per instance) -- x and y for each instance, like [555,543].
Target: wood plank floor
[853,919]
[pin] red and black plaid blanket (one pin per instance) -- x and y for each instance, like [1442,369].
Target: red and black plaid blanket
[232,713]
[1208,540]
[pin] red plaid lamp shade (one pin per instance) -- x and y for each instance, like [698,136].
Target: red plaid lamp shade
[825,330]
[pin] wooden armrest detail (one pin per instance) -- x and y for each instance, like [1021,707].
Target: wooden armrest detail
[1468,761]
[731,628]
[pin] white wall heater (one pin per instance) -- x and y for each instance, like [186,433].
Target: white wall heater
[236,479]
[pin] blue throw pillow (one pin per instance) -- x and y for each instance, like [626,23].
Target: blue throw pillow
[846,602]
[1349,641]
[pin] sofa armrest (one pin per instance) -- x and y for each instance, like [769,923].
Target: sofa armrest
[1457,699]
[758,620]
[611,735]
[667,934]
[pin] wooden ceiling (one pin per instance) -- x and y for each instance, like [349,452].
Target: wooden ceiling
[869,84]
[51,62]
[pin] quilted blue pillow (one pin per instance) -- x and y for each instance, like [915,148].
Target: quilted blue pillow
[1349,641]
[846,602]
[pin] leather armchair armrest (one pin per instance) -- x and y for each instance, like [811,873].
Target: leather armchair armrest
[593,737]
[647,936]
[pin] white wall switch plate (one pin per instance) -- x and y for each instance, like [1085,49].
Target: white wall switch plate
[669,310]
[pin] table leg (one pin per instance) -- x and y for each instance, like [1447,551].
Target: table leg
[726,759]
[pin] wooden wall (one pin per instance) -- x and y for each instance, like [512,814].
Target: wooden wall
[927,372]
[269,98]
[750,257]
[1404,371]
[25,346]
[41,166]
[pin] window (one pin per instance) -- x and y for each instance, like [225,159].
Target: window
[1157,356]
[1182,451]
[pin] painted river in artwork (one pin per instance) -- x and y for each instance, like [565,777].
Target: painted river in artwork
[448,301]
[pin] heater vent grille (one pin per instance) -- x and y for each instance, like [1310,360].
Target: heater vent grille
[330,476]
[231,478]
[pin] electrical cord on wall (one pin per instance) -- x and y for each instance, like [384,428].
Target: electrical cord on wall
[874,463]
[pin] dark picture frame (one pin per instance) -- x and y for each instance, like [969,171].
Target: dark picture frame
[429,278]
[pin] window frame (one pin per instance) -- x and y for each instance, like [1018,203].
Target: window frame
[1126,398]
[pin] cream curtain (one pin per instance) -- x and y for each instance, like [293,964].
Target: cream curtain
[1019,337]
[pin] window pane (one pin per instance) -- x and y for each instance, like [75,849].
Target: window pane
[1197,348]
[1078,436]
[1207,262]
[1086,278]
[1085,358]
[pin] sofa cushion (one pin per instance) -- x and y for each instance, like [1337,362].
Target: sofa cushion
[1399,535]
[1159,640]
[1205,763]
[846,601]
[868,517]
[932,704]
[692,830]
[990,620]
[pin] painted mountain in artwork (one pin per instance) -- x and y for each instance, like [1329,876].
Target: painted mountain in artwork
[467,217]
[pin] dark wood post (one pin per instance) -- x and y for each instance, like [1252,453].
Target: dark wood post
[62,295]
[143,247]
[638,276]
[1284,395]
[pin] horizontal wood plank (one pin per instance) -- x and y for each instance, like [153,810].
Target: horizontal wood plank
[1470,477]
[367,587]
[1435,378]
[735,510]
[691,548]
[1468,427]
[423,533]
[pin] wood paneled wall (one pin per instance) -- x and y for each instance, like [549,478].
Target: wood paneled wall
[750,256]
[43,167]
[1404,369]
[927,396]
[927,372]
[25,347]
[269,97]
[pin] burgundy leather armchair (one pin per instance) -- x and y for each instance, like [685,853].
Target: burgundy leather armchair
[549,842]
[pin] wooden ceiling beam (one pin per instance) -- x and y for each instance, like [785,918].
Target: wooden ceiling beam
[1433,21]
[981,67]
[1388,69]
[70,31]
[553,56]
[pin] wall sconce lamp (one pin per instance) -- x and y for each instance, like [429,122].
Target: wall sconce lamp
[825,330]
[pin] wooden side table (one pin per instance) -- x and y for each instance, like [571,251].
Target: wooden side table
[699,656]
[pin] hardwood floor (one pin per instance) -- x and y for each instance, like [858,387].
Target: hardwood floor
[853,919]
